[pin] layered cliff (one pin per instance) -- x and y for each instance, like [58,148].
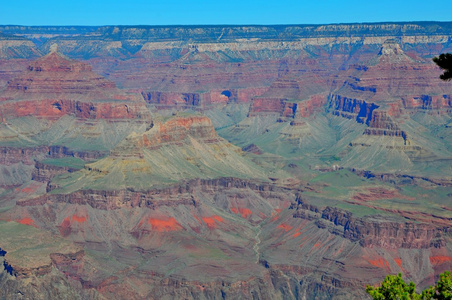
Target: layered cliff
[376,94]
[232,237]
[83,41]
[104,201]
[54,85]
[390,79]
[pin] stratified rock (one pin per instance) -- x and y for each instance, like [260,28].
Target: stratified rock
[392,81]
[180,148]
[55,85]
[385,94]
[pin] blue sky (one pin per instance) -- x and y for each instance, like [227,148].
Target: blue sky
[189,12]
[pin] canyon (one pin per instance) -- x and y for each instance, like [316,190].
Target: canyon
[223,162]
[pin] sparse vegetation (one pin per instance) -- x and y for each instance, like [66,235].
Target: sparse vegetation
[444,61]
[394,287]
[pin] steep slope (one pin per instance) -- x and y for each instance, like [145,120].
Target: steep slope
[180,148]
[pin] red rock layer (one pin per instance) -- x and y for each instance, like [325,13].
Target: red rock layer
[263,105]
[201,100]
[56,74]
[54,85]
[381,124]
[428,102]
[177,129]
[285,108]
[50,108]
[314,104]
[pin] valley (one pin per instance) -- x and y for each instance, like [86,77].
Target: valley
[223,162]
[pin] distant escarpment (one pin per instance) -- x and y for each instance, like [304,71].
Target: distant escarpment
[120,41]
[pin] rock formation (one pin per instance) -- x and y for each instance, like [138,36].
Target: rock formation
[204,162]
[54,86]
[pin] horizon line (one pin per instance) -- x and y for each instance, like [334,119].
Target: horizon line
[231,25]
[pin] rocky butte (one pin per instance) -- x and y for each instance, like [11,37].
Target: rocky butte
[223,162]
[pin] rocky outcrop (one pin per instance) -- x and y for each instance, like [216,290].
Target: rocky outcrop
[199,101]
[17,163]
[63,151]
[372,232]
[172,99]
[428,103]
[54,109]
[284,108]
[350,108]
[252,148]
[55,73]
[177,129]
[60,260]
[44,172]
[381,124]
[24,272]
[382,94]
[400,179]
[154,198]
[311,106]
[13,155]
[380,233]
[30,252]
[392,81]
[110,199]
[271,106]
[49,286]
